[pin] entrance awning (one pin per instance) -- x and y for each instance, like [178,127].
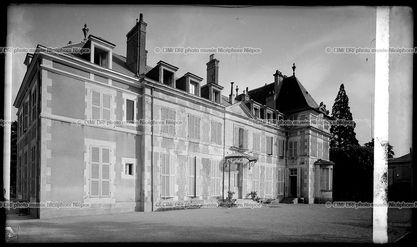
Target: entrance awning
[321,162]
[244,158]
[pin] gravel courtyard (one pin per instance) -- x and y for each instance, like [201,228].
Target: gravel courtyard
[284,223]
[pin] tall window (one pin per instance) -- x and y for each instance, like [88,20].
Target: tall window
[100,172]
[326,178]
[168,121]
[24,174]
[280,181]
[269,145]
[326,150]
[216,181]
[34,105]
[25,116]
[268,181]
[281,148]
[320,149]
[255,179]
[101,105]
[292,149]
[295,147]
[33,171]
[256,142]
[216,132]
[130,110]
[167,176]
[193,127]
[191,171]
[240,137]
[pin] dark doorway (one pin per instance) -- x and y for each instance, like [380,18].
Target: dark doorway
[293,186]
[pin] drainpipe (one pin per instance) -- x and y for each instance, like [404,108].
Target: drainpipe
[224,146]
[152,152]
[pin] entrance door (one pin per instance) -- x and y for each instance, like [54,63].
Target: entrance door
[293,186]
[240,181]
[293,182]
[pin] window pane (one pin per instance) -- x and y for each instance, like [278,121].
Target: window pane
[95,156]
[105,170]
[105,188]
[106,114]
[96,113]
[96,98]
[106,100]
[130,110]
[95,170]
[94,188]
[105,155]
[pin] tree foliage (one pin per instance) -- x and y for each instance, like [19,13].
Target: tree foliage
[343,135]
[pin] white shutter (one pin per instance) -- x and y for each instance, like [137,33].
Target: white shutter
[299,181]
[235,136]
[198,178]
[172,177]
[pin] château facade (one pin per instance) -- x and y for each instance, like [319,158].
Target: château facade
[160,135]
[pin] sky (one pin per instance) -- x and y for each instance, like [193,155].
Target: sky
[285,35]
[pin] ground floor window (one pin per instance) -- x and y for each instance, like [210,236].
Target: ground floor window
[326,178]
[167,176]
[255,179]
[100,172]
[280,181]
[191,172]
[216,182]
[268,181]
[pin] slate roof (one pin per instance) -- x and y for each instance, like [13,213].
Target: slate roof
[119,61]
[292,96]
[403,159]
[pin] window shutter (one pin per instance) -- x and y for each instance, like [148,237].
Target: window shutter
[236,136]
[299,170]
[198,178]
[295,148]
[245,139]
[130,110]
[170,175]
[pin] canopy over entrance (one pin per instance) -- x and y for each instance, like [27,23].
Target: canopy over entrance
[240,157]
[321,162]
[236,158]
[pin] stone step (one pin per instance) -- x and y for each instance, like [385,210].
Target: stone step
[290,200]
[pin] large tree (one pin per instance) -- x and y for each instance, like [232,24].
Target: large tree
[343,134]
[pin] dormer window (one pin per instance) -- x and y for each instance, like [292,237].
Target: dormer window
[216,96]
[193,87]
[269,116]
[101,57]
[101,51]
[189,83]
[256,112]
[168,77]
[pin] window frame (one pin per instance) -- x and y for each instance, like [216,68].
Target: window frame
[101,107]
[126,161]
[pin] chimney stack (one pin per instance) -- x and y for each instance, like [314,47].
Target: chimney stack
[231,93]
[136,54]
[213,70]
[278,78]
